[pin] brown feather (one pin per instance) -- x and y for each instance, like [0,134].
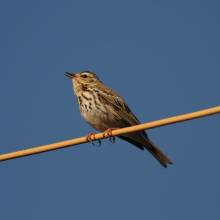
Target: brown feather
[123,111]
[107,102]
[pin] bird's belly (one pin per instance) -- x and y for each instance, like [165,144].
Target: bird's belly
[99,117]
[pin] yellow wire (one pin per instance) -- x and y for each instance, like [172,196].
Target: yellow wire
[82,140]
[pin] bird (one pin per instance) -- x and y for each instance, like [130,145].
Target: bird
[105,110]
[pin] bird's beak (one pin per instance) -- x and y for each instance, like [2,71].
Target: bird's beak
[70,75]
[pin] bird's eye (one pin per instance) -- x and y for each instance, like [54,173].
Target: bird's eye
[84,76]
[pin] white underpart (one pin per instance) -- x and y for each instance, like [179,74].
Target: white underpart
[95,117]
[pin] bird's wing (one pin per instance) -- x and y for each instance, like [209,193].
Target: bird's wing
[119,106]
[123,112]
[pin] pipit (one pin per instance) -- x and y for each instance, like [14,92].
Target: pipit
[105,111]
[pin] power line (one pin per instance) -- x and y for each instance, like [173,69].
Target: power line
[99,136]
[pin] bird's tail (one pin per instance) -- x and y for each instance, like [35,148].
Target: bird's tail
[158,154]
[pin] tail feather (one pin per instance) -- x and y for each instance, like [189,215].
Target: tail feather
[158,154]
[141,140]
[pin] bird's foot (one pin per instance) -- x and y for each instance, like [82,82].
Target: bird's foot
[89,138]
[108,132]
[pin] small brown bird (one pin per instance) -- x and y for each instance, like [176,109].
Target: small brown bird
[105,111]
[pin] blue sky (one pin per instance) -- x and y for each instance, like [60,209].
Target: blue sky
[162,57]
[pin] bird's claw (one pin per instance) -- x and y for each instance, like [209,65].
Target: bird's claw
[108,132]
[89,138]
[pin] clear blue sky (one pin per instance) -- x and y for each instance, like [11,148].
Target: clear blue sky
[162,57]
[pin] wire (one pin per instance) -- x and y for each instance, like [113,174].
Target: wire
[99,136]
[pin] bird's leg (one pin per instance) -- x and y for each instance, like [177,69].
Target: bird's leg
[109,134]
[89,138]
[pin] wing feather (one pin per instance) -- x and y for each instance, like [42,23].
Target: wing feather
[119,106]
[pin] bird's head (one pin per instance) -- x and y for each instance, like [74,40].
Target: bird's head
[83,80]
